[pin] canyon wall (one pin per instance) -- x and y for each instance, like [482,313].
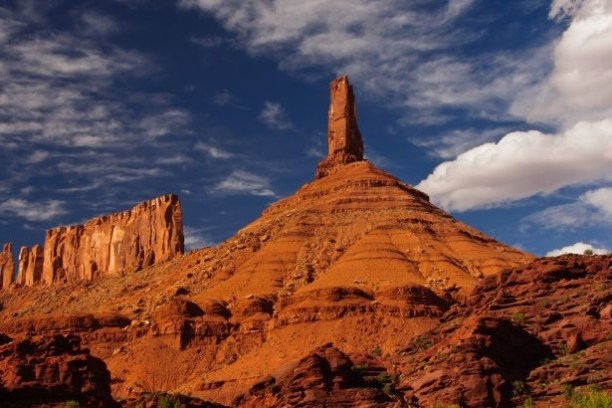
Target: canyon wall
[117,244]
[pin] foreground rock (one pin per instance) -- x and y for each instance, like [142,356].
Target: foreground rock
[528,334]
[325,378]
[53,370]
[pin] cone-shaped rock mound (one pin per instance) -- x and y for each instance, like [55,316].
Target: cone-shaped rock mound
[356,258]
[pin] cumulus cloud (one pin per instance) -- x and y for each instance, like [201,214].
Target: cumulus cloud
[580,84]
[577,248]
[33,211]
[521,165]
[275,117]
[243,182]
[600,199]
[577,95]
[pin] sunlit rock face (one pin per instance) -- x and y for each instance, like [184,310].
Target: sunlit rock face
[117,244]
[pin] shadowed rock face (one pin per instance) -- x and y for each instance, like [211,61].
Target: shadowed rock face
[343,136]
[7,266]
[52,371]
[117,244]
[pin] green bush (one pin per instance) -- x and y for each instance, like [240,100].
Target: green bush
[588,252]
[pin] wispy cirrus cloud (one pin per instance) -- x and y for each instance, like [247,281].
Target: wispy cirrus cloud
[244,182]
[275,117]
[592,209]
[33,211]
[59,100]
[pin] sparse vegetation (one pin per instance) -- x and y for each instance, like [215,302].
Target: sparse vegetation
[519,388]
[384,382]
[518,317]
[588,252]
[422,343]
[72,404]
[168,402]
[592,398]
[377,352]
[528,403]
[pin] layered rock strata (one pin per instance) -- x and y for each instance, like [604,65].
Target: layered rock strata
[53,370]
[7,266]
[117,244]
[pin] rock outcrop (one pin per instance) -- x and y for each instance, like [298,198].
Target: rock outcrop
[7,266]
[117,244]
[325,378]
[52,370]
[30,265]
[530,333]
[343,137]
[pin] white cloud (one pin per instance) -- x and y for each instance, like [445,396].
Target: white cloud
[33,211]
[522,164]
[224,98]
[242,182]
[449,145]
[195,238]
[213,151]
[577,248]
[600,199]
[401,51]
[592,209]
[580,85]
[274,115]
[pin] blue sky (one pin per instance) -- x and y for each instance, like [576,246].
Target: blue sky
[500,110]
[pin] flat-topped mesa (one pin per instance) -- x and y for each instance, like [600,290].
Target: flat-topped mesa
[343,137]
[7,266]
[117,244]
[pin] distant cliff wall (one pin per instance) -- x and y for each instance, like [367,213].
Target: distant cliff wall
[117,244]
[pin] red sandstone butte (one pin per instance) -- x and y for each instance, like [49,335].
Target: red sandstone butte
[116,244]
[7,266]
[343,137]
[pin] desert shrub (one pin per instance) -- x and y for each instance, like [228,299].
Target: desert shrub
[592,398]
[168,402]
[72,404]
[377,351]
[518,317]
[588,252]
[519,388]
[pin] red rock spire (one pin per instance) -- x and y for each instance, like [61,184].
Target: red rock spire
[343,136]
[7,266]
